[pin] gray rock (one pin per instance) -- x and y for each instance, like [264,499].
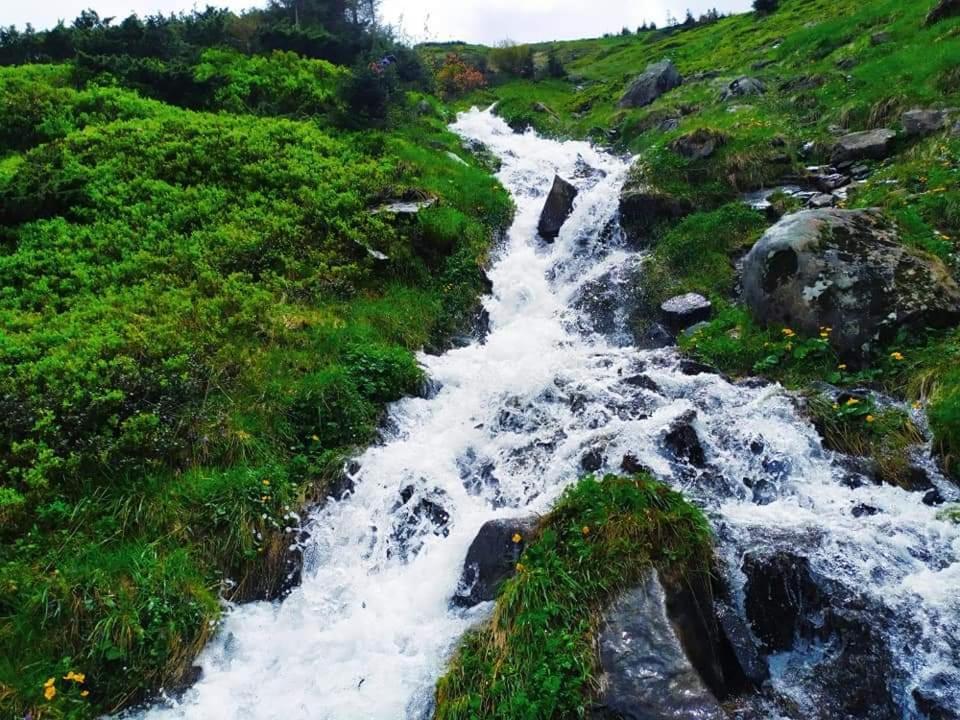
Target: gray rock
[880,38]
[943,10]
[491,559]
[404,207]
[557,209]
[918,123]
[683,442]
[685,310]
[867,145]
[846,269]
[655,337]
[743,87]
[822,200]
[646,674]
[656,80]
[700,144]
[643,207]
[830,181]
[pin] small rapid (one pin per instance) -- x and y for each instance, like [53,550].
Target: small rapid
[505,430]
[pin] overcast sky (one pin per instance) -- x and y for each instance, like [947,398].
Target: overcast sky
[485,21]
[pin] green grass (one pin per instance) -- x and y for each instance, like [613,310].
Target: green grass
[536,658]
[193,334]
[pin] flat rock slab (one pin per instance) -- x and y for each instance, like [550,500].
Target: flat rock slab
[918,123]
[867,145]
[646,673]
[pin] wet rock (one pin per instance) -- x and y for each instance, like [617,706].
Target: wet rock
[860,172]
[778,596]
[743,87]
[943,10]
[630,464]
[557,209]
[764,492]
[685,310]
[846,269]
[683,442]
[592,460]
[492,558]
[655,337]
[418,513]
[643,207]
[863,510]
[646,672]
[692,367]
[933,498]
[644,382]
[867,145]
[656,80]
[700,144]
[933,698]
[919,123]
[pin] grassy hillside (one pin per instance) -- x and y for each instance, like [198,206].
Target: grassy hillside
[201,314]
[829,67]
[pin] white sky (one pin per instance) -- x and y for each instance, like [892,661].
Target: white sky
[485,21]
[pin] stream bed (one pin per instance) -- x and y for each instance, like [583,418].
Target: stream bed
[507,427]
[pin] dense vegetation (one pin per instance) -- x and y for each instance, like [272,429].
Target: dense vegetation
[536,658]
[828,66]
[202,312]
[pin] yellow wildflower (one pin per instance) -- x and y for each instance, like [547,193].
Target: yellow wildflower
[49,682]
[84,693]
[315,438]
[50,692]
[853,401]
[520,567]
[897,356]
[585,530]
[75,677]
[517,538]
[266,482]
[918,405]
[870,418]
[842,367]
[824,335]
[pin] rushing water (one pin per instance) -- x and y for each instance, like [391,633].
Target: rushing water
[370,629]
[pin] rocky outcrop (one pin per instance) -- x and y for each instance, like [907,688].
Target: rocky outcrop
[846,270]
[943,10]
[643,207]
[684,311]
[743,87]
[656,80]
[919,123]
[557,209]
[661,654]
[788,604]
[683,442]
[700,144]
[492,558]
[867,145]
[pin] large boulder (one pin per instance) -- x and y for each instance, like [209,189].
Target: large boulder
[846,270]
[492,558]
[656,80]
[557,209]
[867,145]
[743,87]
[943,10]
[918,123]
[649,667]
[643,206]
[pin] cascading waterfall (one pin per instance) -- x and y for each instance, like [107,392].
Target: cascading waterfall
[370,629]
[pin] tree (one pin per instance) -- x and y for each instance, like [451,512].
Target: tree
[766,6]
[689,21]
